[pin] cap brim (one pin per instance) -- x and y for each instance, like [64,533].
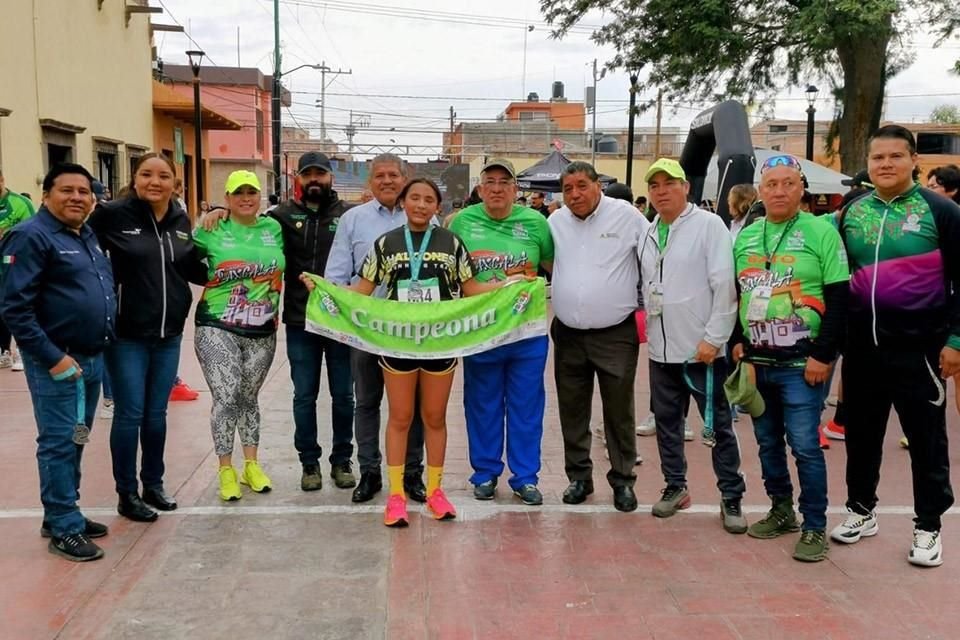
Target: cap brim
[849,182]
[242,185]
[497,165]
[314,166]
[654,171]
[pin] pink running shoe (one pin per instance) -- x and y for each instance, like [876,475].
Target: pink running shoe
[395,515]
[440,507]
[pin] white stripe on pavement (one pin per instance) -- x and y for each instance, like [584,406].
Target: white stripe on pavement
[471,511]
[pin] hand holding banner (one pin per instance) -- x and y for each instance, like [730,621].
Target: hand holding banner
[448,329]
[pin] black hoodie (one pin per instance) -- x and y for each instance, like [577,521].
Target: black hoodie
[307,238]
[153,264]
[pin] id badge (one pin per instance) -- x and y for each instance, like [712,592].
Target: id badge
[759,302]
[654,305]
[419,290]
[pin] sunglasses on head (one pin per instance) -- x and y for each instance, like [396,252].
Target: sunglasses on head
[780,161]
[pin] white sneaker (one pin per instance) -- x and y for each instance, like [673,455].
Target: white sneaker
[16,362]
[687,431]
[927,551]
[106,411]
[648,427]
[6,360]
[856,526]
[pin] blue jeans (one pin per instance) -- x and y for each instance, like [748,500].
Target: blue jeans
[305,351]
[58,458]
[142,373]
[107,387]
[792,416]
[503,394]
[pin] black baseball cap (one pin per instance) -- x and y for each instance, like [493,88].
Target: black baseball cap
[861,179]
[313,159]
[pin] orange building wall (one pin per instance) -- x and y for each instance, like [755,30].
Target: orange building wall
[570,116]
[163,127]
[238,103]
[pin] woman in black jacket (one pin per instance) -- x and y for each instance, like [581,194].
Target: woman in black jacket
[149,240]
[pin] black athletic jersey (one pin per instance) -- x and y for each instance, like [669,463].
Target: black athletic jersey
[445,259]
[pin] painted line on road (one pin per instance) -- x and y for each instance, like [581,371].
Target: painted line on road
[471,511]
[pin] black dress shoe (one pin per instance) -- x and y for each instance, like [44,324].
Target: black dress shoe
[132,507]
[370,484]
[159,499]
[577,492]
[624,499]
[414,488]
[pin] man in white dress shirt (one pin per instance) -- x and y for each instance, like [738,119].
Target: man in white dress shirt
[595,277]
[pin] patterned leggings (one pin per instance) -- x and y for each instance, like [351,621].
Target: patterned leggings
[235,368]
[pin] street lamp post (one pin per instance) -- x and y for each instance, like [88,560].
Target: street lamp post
[195,57]
[634,76]
[811,94]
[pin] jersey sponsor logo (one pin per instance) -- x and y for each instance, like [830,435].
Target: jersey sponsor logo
[912,223]
[239,270]
[267,239]
[774,259]
[508,264]
[520,232]
[750,279]
[795,242]
[182,235]
[131,232]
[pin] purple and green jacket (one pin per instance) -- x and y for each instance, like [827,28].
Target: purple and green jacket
[904,269]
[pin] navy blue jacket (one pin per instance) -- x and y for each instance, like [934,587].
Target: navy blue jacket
[56,291]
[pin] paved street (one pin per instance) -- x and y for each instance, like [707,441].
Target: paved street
[292,565]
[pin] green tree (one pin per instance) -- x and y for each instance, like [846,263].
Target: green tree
[945,114]
[749,49]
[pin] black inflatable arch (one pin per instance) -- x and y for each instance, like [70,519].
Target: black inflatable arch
[722,128]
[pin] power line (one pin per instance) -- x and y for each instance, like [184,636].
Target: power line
[434,16]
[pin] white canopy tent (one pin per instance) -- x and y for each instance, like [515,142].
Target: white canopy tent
[821,179]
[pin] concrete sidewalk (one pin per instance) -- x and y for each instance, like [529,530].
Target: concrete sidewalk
[289,564]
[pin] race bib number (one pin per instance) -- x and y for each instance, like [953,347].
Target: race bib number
[759,302]
[419,290]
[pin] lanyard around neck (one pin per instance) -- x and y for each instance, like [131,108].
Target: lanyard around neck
[416,257]
[770,256]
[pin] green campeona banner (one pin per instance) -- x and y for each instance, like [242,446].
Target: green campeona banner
[447,329]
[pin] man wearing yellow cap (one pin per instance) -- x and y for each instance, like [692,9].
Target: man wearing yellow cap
[690,298]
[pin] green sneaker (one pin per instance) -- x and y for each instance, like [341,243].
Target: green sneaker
[811,547]
[312,479]
[779,520]
[343,476]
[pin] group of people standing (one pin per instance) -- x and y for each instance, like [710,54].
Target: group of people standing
[758,323]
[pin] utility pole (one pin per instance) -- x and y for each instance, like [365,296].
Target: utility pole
[362,120]
[324,70]
[453,114]
[656,151]
[634,77]
[523,86]
[275,99]
[593,127]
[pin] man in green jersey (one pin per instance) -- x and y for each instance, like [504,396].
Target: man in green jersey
[792,279]
[14,209]
[503,391]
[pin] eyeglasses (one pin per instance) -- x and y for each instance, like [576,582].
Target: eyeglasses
[503,184]
[781,161]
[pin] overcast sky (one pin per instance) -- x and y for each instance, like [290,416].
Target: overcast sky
[466,54]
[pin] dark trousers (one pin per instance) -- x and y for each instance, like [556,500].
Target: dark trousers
[670,395]
[142,373]
[874,380]
[306,351]
[610,355]
[58,457]
[368,387]
[4,336]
